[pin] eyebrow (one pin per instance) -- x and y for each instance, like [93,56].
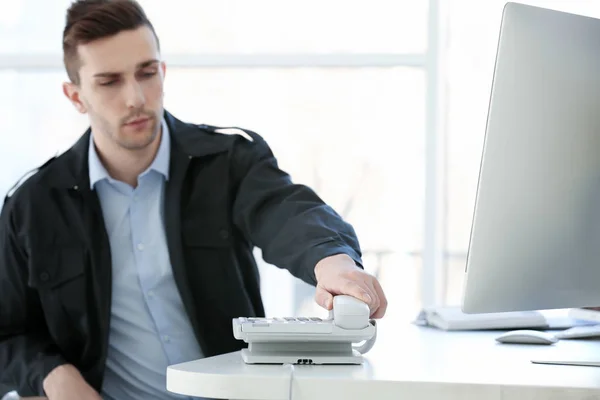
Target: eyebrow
[140,65]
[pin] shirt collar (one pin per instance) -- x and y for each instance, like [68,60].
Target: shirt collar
[160,163]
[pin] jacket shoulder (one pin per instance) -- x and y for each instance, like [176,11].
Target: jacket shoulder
[202,138]
[27,186]
[232,131]
[240,142]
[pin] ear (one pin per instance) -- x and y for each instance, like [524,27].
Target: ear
[163,68]
[72,91]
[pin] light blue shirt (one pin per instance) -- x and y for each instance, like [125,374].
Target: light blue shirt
[149,328]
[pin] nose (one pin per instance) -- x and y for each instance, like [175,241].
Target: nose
[135,96]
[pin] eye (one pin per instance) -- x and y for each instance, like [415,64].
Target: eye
[148,74]
[108,83]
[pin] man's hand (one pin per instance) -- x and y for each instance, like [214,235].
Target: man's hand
[340,275]
[66,383]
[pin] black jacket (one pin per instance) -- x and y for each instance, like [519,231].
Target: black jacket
[225,195]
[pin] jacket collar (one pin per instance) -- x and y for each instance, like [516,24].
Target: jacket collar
[187,141]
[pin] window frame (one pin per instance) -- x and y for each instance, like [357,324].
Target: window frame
[433,274]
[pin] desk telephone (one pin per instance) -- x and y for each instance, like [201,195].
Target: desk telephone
[309,340]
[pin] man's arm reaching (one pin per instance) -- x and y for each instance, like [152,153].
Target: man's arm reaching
[296,230]
[290,223]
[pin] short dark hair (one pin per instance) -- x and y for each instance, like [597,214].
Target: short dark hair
[89,20]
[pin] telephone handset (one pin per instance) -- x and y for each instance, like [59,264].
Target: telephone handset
[309,340]
[350,313]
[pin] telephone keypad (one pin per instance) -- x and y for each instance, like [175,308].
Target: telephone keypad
[286,324]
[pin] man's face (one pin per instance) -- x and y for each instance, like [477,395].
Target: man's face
[121,88]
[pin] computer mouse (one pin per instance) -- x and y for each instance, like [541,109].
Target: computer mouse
[525,336]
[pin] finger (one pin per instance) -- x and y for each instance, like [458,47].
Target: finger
[365,280]
[324,298]
[376,303]
[357,290]
[383,303]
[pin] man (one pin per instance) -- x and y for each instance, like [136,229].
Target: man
[133,250]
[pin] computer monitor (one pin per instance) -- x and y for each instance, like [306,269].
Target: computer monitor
[535,237]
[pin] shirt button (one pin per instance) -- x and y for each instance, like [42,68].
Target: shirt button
[224,233]
[151,294]
[166,338]
[140,246]
[44,276]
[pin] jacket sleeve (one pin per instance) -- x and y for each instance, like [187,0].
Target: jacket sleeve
[27,354]
[293,227]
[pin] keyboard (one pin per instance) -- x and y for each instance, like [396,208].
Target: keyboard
[579,332]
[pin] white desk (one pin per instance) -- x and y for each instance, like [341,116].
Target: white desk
[415,363]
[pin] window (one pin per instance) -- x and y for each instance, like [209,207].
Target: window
[342,91]
[38,121]
[355,135]
[23,34]
[279,27]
